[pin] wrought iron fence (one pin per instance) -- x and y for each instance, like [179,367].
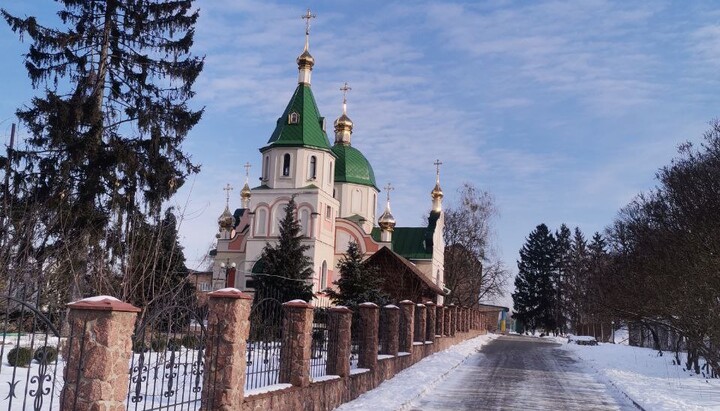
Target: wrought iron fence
[319,346]
[31,367]
[264,342]
[167,365]
[355,335]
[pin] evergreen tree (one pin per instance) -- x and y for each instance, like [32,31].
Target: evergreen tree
[104,148]
[358,282]
[288,271]
[577,281]
[534,296]
[560,279]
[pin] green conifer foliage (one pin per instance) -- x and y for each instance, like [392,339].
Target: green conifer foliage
[288,271]
[358,282]
[535,295]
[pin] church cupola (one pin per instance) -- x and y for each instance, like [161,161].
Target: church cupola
[305,60]
[436,194]
[387,220]
[343,124]
[245,193]
[226,221]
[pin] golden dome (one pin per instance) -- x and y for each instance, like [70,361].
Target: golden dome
[226,220]
[343,123]
[386,220]
[305,60]
[245,192]
[437,191]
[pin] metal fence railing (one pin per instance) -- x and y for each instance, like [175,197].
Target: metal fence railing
[319,347]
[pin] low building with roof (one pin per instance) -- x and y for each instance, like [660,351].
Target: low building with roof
[336,194]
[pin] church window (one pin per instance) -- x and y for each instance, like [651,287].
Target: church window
[323,276]
[293,118]
[355,201]
[261,222]
[312,170]
[266,168]
[328,212]
[305,222]
[286,165]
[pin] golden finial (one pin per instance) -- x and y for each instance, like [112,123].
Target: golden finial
[245,192]
[226,220]
[387,220]
[227,189]
[305,60]
[345,88]
[437,191]
[343,123]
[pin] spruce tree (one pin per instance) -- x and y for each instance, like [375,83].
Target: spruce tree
[560,279]
[534,296]
[358,282]
[104,147]
[288,271]
[577,281]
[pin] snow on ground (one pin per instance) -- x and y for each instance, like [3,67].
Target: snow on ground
[409,384]
[650,380]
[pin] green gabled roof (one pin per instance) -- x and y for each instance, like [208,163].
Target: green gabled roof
[307,132]
[352,166]
[409,242]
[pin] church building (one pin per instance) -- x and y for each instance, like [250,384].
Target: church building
[336,196]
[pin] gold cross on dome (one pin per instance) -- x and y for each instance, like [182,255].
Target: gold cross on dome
[307,16]
[388,188]
[345,88]
[437,165]
[247,169]
[228,188]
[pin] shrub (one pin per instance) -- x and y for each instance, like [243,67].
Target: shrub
[46,355]
[20,357]
[191,342]
[174,344]
[158,344]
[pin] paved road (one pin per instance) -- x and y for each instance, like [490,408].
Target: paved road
[521,373]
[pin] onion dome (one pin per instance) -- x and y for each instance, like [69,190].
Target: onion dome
[245,193]
[342,124]
[351,166]
[226,220]
[386,220]
[437,191]
[305,60]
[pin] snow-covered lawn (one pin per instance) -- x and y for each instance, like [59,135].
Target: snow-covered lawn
[397,392]
[650,380]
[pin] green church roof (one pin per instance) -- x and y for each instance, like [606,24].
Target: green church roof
[414,243]
[352,166]
[307,131]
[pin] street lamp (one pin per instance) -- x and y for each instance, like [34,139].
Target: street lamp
[229,269]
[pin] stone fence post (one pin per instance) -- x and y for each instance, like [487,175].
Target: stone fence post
[420,323]
[439,320]
[98,353]
[407,320]
[391,330]
[296,343]
[225,346]
[447,321]
[431,311]
[367,358]
[339,320]
[453,319]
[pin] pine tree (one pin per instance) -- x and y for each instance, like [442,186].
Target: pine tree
[104,147]
[534,296]
[288,271]
[358,282]
[560,279]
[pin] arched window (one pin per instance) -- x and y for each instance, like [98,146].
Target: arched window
[286,165]
[323,276]
[312,170]
[266,172]
[261,222]
[293,118]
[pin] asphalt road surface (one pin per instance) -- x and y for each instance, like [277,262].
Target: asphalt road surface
[521,373]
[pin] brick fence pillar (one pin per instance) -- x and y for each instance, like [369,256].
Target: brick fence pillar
[296,343]
[407,321]
[439,320]
[447,321]
[225,345]
[98,353]
[391,330]
[420,323]
[453,319]
[367,358]
[339,320]
[431,311]
[462,311]
[466,319]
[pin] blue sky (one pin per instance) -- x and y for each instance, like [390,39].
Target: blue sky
[562,110]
